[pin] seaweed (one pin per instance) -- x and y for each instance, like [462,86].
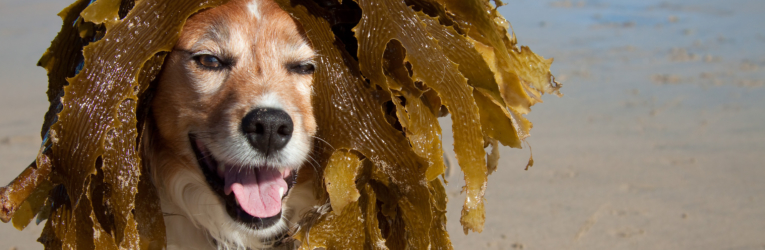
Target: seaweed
[387,70]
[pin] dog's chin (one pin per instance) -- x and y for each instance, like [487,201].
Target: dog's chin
[253,196]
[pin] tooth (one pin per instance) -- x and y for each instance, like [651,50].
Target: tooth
[281,192]
[237,202]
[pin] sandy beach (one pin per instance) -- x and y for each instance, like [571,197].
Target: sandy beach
[657,143]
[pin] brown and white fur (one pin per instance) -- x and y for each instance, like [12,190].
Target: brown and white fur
[230,62]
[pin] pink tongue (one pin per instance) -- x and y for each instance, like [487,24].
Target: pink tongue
[256,190]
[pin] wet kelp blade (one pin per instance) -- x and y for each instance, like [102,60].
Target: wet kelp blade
[522,75]
[340,179]
[416,109]
[439,237]
[343,231]
[394,20]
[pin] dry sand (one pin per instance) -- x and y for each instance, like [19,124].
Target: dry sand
[658,142]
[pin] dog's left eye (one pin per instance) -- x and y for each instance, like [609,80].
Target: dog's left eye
[209,61]
[302,68]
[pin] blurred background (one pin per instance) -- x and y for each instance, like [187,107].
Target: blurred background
[657,143]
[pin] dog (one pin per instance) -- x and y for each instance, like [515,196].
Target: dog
[232,124]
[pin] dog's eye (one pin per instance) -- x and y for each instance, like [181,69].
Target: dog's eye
[302,68]
[209,61]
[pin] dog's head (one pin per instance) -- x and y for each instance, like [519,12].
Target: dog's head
[234,118]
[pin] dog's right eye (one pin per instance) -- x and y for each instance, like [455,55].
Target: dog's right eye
[302,68]
[209,61]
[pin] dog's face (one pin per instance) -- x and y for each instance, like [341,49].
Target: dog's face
[234,118]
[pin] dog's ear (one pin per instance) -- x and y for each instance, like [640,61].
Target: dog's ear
[144,119]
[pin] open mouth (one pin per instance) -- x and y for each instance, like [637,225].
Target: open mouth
[253,194]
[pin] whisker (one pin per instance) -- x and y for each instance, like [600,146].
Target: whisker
[314,163]
[322,140]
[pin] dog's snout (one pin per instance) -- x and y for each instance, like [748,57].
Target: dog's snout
[267,129]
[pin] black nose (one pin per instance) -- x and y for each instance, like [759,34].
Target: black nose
[267,129]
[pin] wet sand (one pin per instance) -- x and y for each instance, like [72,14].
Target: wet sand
[657,143]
